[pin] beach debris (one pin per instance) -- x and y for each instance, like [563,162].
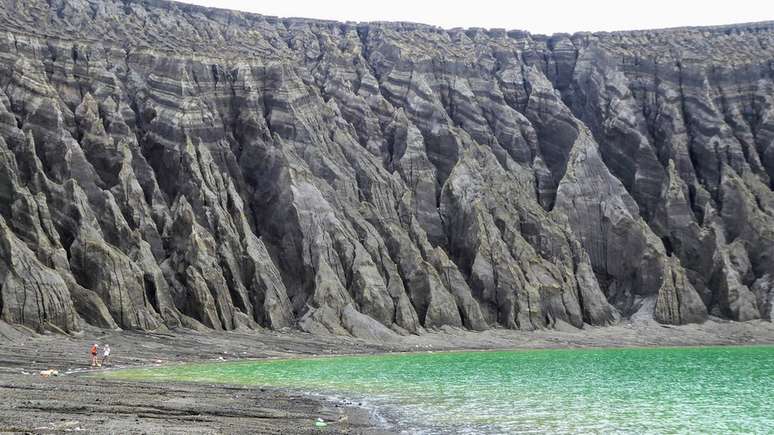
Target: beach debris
[49,372]
[320,423]
[69,426]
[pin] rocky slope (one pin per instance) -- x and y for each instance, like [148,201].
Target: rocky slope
[167,165]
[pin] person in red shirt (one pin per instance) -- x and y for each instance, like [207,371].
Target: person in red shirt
[94,350]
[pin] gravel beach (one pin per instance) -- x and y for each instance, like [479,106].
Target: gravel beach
[76,402]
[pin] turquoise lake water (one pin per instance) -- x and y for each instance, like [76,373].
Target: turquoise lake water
[713,390]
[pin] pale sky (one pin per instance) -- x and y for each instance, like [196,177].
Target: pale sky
[536,16]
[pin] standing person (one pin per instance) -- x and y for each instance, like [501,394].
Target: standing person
[94,350]
[105,354]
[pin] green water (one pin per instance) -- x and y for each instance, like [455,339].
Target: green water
[714,390]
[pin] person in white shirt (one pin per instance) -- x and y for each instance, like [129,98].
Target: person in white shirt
[105,354]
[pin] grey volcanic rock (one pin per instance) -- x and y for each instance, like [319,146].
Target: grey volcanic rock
[165,165]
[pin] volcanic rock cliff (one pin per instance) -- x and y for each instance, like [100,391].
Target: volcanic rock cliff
[166,165]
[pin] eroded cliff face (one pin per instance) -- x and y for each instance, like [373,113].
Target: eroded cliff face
[167,165]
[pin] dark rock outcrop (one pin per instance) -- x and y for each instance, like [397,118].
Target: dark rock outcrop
[166,165]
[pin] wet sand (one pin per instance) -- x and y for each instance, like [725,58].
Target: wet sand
[73,402]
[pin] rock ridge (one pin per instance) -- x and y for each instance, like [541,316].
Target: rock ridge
[165,165]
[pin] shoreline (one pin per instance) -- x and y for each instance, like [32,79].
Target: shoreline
[95,371]
[387,416]
[81,399]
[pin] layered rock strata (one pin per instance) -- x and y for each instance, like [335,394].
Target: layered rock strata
[165,165]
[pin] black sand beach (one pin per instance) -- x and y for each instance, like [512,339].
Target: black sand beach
[75,402]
